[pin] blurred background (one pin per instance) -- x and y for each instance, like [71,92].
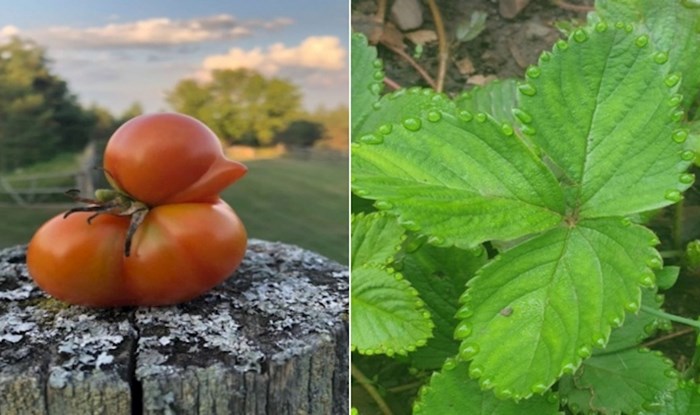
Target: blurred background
[270,78]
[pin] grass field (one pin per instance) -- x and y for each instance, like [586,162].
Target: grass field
[293,200]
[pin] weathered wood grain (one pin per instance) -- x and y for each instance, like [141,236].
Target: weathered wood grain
[271,340]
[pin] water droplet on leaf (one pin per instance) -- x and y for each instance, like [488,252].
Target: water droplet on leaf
[650,328]
[677,115]
[526,129]
[372,139]
[647,281]
[672,80]
[687,178]
[464,312]
[375,88]
[412,124]
[507,130]
[434,116]
[486,383]
[385,129]
[619,25]
[546,56]
[383,205]
[599,341]
[465,115]
[616,321]
[654,263]
[378,75]
[679,136]
[468,350]
[673,195]
[642,41]
[376,105]
[632,306]
[449,364]
[561,45]
[437,241]
[671,373]
[675,100]
[527,89]
[377,63]
[601,27]
[568,369]
[533,72]
[481,117]
[687,155]
[539,388]
[661,57]
[523,116]
[475,371]
[580,35]
[410,225]
[463,330]
[629,27]
[503,394]
[626,222]
[584,352]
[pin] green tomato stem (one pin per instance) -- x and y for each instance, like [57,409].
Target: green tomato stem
[672,317]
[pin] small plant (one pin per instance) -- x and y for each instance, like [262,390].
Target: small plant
[501,251]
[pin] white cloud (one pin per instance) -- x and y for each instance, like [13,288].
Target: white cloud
[323,53]
[8,31]
[155,32]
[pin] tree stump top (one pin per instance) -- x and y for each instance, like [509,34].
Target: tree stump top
[272,339]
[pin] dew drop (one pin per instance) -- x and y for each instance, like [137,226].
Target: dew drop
[412,124]
[486,383]
[376,105]
[527,89]
[632,306]
[552,398]
[372,139]
[378,75]
[654,263]
[410,225]
[661,57]
[468,350]
[464,312]
[539,388]
[449,364]
[619,25]
[465,115]
[546,56]
[686,178]
[629,27]
[601,27]
[580,35]
[360,192]
[481,117]
[437,98]
[507,130]
[677,115]
[385,129]
[599,341]
[414,245]
[526,129]
[616,321]
[523,116]
[561,45]
[411,348]
[654,407]
[434,116]
[671,373]
[503,394]
[377,63]
[654,241]
[673,195]
[533,72]
[465,298]
[672,80]
[421,342]
[383,205]
[626,222]
[437,241]
[568,369]
[475,371]
[650,328]
[375,88]
[679,136]
[647,281]
[641,41]
[463,330]
[414,90]
[675,100]
[584,352]
[389,352]
[687,155]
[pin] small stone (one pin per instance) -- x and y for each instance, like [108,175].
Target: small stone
[407,14]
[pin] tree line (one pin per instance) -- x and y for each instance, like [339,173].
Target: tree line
[40,116]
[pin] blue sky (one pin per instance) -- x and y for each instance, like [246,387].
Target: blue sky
[116,52]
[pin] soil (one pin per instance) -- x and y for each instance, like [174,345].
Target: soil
[502,50]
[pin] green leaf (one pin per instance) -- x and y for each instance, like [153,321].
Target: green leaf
[452,392]
[401,104]
[439,275]
[460,180]
[367,80]
[602,110]
[667,277]
[497,98]
[376,238]
[540,307]
[674,28]
[683,401]
[637,326]
[387,315]
[624,382]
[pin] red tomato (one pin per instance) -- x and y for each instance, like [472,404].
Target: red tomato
[179,252]
[168,158]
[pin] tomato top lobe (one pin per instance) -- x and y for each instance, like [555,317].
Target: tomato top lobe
[168,158]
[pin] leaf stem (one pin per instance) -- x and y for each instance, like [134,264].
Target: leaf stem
[371,390]
[672,317]
[671,254]
[669,336]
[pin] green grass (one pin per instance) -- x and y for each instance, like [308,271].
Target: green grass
[292,200]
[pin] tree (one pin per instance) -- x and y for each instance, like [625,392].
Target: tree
[301,133]
[240,106]
[38,114]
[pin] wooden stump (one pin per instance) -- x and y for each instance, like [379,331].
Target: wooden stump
[273,339]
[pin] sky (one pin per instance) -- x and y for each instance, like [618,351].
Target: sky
[117,52]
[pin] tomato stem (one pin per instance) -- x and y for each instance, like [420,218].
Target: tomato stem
[114,203]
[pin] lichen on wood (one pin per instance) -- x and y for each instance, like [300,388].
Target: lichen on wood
[271,340]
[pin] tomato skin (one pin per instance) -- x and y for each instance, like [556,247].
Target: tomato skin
[168,158]
[178,253]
